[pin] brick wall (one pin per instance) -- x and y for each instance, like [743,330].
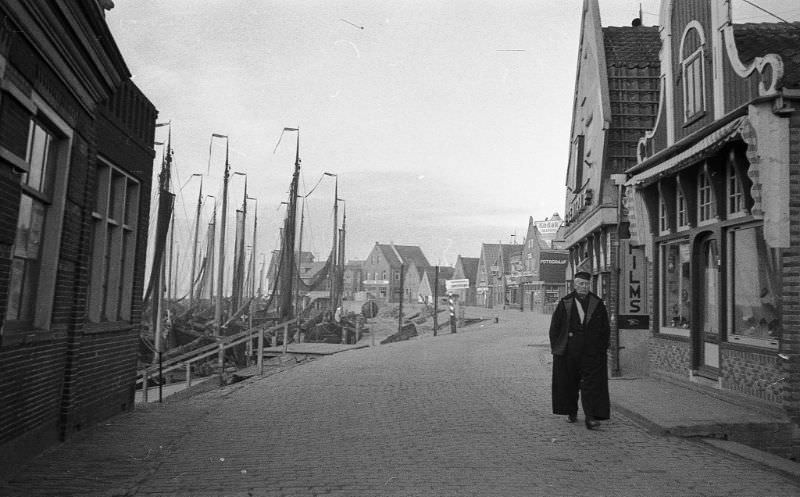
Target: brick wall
[790,340]
[668,355]
[751,373]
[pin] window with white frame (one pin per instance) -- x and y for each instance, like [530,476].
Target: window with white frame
[34,257]
[735,189]
[681,208]
[676,287]
[705,197]
[693,70]
[663,215]
[115,221]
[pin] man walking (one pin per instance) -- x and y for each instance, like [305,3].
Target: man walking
[579,337]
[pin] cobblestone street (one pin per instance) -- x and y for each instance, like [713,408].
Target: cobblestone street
[453,415]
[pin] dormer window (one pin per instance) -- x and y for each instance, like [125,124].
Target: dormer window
[692,54]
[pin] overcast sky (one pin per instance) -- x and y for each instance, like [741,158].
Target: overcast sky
[447,122]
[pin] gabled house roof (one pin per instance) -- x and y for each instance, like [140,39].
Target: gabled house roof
[470,267]
[757,39]
[630,46]
[403,254]
[497,253]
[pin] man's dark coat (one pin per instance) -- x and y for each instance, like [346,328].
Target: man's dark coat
[579,356]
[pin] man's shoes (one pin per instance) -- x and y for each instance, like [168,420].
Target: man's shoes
[591,423]
[571,418]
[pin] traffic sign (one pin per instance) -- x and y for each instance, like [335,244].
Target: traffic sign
[451,285]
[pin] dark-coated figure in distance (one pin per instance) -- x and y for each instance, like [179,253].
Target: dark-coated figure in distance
[579,338]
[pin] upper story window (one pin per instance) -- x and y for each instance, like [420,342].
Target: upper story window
[705,197]
[692,56]
[680,207]
[114,245]
[735,190]
[663,215]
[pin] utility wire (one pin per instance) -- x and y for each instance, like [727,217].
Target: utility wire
[765,10]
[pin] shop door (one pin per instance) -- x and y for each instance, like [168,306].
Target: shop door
[706,329]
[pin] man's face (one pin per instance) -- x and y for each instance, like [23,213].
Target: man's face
[581,286]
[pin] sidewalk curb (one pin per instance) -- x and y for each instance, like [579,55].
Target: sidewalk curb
[764,458]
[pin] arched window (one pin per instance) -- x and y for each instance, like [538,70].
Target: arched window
[692,55]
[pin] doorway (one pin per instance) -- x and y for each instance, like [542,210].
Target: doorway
[706,331]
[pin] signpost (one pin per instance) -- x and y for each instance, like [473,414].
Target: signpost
[451,285]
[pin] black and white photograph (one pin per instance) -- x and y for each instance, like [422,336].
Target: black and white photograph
[399,248]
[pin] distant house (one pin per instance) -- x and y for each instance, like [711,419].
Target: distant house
[429,281]
[466,268]
[383,266]
[543,273]
[306,266]
[353,279]
[494,265]
[411,281]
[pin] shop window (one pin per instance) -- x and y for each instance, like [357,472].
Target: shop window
[114,245]
[693,71]
[705,198]
[676,288]
[34,256]
[753,293]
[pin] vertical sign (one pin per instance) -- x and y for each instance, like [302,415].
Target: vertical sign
[633,311]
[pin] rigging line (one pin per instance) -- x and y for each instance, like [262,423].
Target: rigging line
[765,10]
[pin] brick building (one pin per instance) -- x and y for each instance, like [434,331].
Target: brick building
[76,159]
[714,201]
[384,265]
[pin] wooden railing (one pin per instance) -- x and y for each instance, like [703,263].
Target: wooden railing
[224,342]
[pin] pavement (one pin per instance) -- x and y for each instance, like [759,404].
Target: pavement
[465,425]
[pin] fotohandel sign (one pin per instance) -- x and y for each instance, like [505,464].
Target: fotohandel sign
[553,266]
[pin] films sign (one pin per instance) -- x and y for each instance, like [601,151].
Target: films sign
[633,312]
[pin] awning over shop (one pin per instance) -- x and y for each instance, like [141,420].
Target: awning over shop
[705,147]
[767,137]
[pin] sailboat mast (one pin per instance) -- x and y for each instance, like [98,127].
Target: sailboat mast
[194,244]
[221,273]
[297,307]
[287,258]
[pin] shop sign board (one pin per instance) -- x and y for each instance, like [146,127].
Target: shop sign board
[633,311]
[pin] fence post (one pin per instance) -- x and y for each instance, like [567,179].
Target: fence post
[188,374]
[452,313]
[144,385]
[285,337]
[260,352]
[221,363]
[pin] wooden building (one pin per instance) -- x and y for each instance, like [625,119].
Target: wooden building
[76,161]
[714,201]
